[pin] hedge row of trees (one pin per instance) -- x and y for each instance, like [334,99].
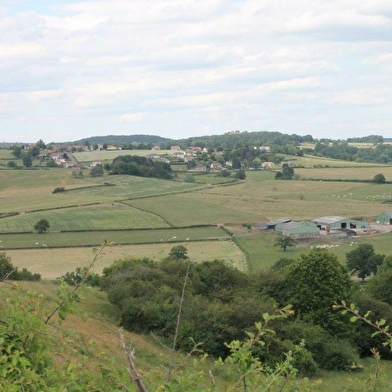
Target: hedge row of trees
[221,303]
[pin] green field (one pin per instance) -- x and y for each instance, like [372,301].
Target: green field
[263,254]
[339,173]
[309,161]
[96,238]
[102,155]
[141,203]
[195,208]
[24,190]
[97,217]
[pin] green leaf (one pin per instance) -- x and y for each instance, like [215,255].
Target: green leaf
[353,319]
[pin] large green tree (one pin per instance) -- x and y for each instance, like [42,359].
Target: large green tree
[363,261]
[284,242]
[314,284]
[42,226]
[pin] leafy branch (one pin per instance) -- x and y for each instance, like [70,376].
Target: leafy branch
[379,325]
[72,296]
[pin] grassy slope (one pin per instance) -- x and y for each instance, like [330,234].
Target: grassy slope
[92,332]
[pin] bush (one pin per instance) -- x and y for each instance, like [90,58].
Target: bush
[189,178]
[8,270]
[328,352]
[59,189]
[337,354]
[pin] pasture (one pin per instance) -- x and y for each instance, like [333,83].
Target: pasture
[98,217]
[52,263]
[108,156]
[135,210]
[263,254]
[96,238]
[26,190]
[339,173]
[309,161]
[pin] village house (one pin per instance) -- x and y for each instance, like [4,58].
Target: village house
[216,166]
[175,148]
[155,148]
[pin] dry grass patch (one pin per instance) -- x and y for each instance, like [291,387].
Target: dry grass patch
[52,263]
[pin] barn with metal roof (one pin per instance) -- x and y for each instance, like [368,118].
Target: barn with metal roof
[339,222]
[297,229]
[385,218]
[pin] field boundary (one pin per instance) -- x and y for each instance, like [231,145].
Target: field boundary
[146,211]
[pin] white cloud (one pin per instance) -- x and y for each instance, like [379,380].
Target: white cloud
[132,117]
[281,64]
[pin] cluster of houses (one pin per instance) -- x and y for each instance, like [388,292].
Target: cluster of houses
[325,224]
[190,154]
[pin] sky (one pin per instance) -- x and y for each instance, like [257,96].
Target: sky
[184,68]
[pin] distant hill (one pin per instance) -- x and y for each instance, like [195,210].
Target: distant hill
[123,139]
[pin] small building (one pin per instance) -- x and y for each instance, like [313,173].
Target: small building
[339,222]
[265,148]
[179,155]
[297,229]
[385,218]
[267,165]
[153,156]
[175,148]
[216,166]
[156,148]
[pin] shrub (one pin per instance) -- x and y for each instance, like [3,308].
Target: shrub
[7,269]
[59,189]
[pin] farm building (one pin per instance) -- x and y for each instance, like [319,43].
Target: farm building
[271,225]
[297,229]
[385,218]
[339,222]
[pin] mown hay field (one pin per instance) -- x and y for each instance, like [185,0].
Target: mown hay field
[24,190]
[52,263]
[96,238]
[194,208]
[349,173]
[310,161]
[98,217]
[300,199]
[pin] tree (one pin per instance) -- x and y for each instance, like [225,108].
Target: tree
[287,173]
[27,160]
[51,163]
[41,144]
[314,284]
[380,286]
[42,226]
[97,171]
[379,179]
[363,261]
[178,252]
[240,174]
[17,151]
[11,164]
[284,242]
